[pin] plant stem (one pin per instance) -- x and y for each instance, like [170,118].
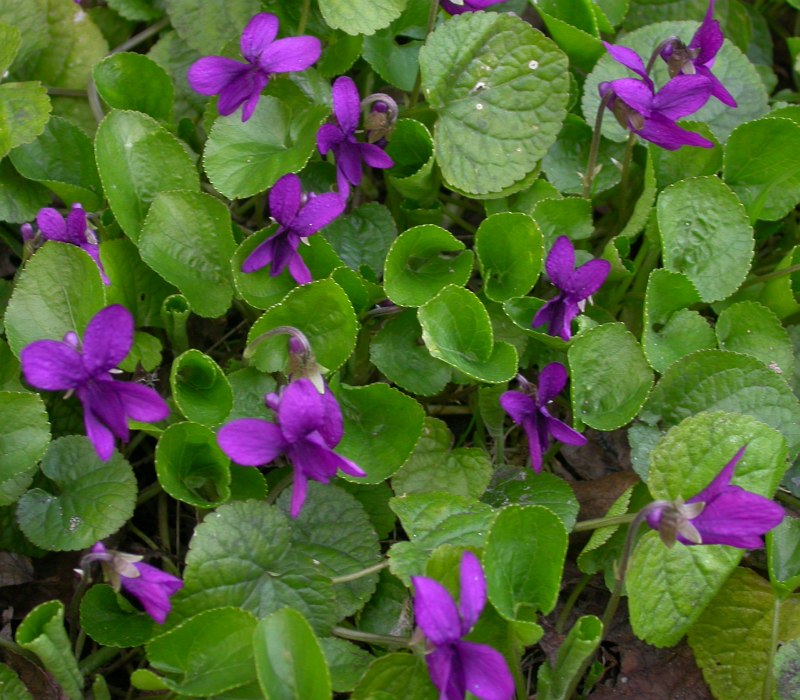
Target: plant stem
[149,492]
[67,92]
[594,149]
[360,574]
[304,12]
[626,171]
[163,521]
[100,658]
[570,602]
[73,615]
[789,500]
[596,523]
[273,494]
[432,13]
[771,275]
[142,36]
[773,645]
[369,638]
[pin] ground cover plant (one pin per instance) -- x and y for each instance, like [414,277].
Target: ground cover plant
[399,349]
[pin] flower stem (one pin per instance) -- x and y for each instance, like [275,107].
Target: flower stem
[142,36]
[360,574]
[773,645]
[432,13]
[604,522]
[273,494]
[301,25]
[100,658]
[594,149]
[66,92]
[789,500]
[570,602]
[771,275]
[369,638]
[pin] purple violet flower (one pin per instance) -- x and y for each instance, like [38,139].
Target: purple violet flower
[240,84]
[297,222]
[575,287]
[456,666]
[458,7]
[650,114]
[528,408]
[698,57]
[341,138]
[308,427]
[720,514]
[74,231]
[149,585]
[65,365]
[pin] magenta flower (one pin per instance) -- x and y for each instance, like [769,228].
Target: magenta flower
[457,666]
[74,231]
[341,138]
[150,586]
[296,222]
[239,83]
[528,408]
[650,114]
[720,514]
[65,365]
[457,7]
[575,287]
[308,427]
[698,57]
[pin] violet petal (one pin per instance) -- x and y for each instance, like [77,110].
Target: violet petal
[292,54]
[252,442]
[435,611]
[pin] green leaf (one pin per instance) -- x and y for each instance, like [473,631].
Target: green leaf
[411,150]
[705,235]
[381,428]
[673,166]
[137,158]
[435,466]
[523,573]
[456,329]
[783,556]
[527,488]
[176,57]
[321,311]
[249,388]
[752,329]
[573,26]
[484,74]
[89,499]
[186,238]
[245,158]
[510,253]
[13,687]
[23,441]
[431,520]
[145,351]
[422,261]
[787,670]
[200,388]
[231,562]
[208,654]
[396,677]
[361,16]
[604,540]
[584,637]
[62,158]
[716,380]
[208,26]
[42,632]
[59,290]
[10,41]
[731,67]
[387,612]
[346,663]
[134,81]
[571,217]
[362,238]
[397,351]
[761,166]
[732,639]
[133,283]
[290,664]
[334,530]
[110,620]
[20,199]
[610,379]
[138,10]
[24,111]
[29,20]
[191,467]
[671,329]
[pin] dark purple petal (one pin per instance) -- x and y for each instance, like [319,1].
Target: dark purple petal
[682,96]
[560,262]
[76,225]
[153,589]
[328,136]
[718,90]
[259,33]
[374,156]
[708,37]
[317,461]
[284,199]
[552,380]
[536,433]
[141,402]
[94,253]
[445,672]
[588,279]
[485,671]
[634,93]
[435,611]
[292,54]
[346,104]
[260,257]
[52,366]
[100,398]
[318,212]
[721,481]
[284,252]
[518,405]
[259,82]
[245,88]
[669,135]
[299,270]
[299,491]
[628,58]
[52,225]
[332,427]
[252,442]
[563,433]
[101,437]
[473,591]
[210,75]
[108,339]
[301,410]
[348,162]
